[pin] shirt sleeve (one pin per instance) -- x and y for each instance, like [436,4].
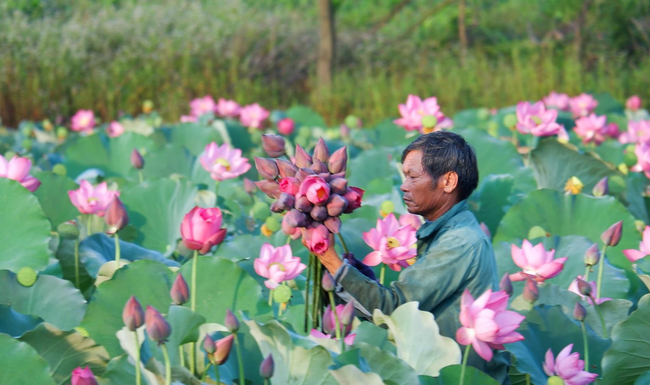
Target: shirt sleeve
[436,276]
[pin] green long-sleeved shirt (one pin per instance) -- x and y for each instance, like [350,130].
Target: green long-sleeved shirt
[453,255]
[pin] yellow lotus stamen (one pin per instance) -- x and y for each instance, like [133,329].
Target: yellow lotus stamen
[224,162]
[392,242]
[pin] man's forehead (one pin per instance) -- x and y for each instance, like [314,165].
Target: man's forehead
[413,161]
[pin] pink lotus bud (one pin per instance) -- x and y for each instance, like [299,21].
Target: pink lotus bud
[633,103]
[319,167]
[316,189]
[303,204]
[249,186]
[223,347]
[506,284]
[289,185]
[327,283]
[231,322]
[303,159]
[317,239]
[286,201]
[267,168]
[579,312]
[601,188]
[269,187]
[303,173]
[336,205]
[287,169]
[267,367]
[295,218]
[286,126]
[612,236]
[116,217]
[347,315]
[333,224]
[201,229]
[338,186]
[339,160]
[353,195]
[321,152]
[136,159]
[157,327]
[531,293]
[583,287]
[209,345]
[180,293]
[132,315]
[319,213]
[273,145]
[83,377]
[592,255]
[276,207]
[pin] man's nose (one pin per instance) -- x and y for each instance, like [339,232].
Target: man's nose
[403,187]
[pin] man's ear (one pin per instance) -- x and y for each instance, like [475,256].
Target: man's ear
[450,182]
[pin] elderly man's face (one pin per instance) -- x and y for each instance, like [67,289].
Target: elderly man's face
[421,195]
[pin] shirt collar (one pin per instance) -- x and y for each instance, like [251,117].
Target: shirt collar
[429,228]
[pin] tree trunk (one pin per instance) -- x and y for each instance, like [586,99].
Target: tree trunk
[326,45]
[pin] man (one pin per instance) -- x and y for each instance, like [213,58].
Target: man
[453,252]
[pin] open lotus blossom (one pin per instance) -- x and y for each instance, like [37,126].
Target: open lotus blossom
[223,162]
[201,229]
[413,220]
[582,105]
[556,100]
[92,200]
[114,130]
[535,119]
[201,106]
[633,103]
[536,263]
[486,323]
[415,110]
[315,188]
[642,152]
[83,120]
[644,247]
[228,108]
[573,287]
[637,132]
[83,376]
[392,244]
[592,128]
[253,116]
[277,264]
[329,326]
[18,169]
[568,366]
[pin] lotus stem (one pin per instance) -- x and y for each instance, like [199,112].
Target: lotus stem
[181,355]
[462,369]
[271,297]
[601,269]
[205,372]
[242,379]
[76,263]
[585,345]
[140,176]
[193,295]
[288,240]
[382,272]
[138,375]
[117,251]
[587,271]
[266,381]
[216,374]
[307,284]
[216,192]
[168,366]
[317,290]
[89,229]
[345,247]
[527,379]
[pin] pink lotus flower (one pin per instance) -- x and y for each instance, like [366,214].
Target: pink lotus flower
[201,229]
[415,221]
[188,119]
[83,120]
[315,188]
[329,326]
[277,264]
[253,116]
[573,287]
[114,130]
[223,162]
[317,238]
[535,119]
[611,130]
[536,262]
[18,169]
[569,367]
[582,105]
[201,106]
[637,132]
[228,108]
[349,339]
[393,244]
[633,103]
[83,376]
[559,101]
[92,200]
[415,109]
[486,323]
[644,248]
[642,152]
[286,126]
[592,128]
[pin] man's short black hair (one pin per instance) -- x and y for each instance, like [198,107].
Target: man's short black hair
[444,151]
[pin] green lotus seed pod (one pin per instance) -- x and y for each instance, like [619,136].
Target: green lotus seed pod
[61,132]
[483,113]
[493,128]
[629,157]
[510,121]
[27,144]
[429,121]
[616,184]
[387,207]
[555,380]
[292,284]
[272,223]
[261,211]
[352,121]
[82,331]
[282,294]
[26,276]
[27,130]
[59,169]
[256,138]
[68,231]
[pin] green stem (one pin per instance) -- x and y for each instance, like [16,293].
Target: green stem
[601,269]
[138,376]
[345,247]
[288,240]
[585,345]
[462,369]
[382,272]
[181,355]
[76,263]
[193,295]
[168,366]
[530,148]
[602,319]
[242,379]
[266,381]
[117,251]
[140,176]
[527,379]
[216,374]
[317,286]
[89,219]
[336,316]
[587,271]
[205,372]
[216,192]
[309,267]
[271,297]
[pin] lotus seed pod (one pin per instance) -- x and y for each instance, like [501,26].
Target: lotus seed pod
[387,207]
[510,121]
[272,223]
[261,210]
[429,121]
[26,276]
[282,294]
[59,169]
[68,230]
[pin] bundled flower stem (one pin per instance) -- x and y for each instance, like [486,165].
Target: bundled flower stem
[307,284]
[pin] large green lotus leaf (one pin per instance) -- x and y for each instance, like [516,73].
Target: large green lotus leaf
[65,351]
[372,164]
[65,256]
[54,199]
[235,134]
[15,324]
[390,135]
[369,333]
[629,356]
[20,364]
[305,116]
[611,151]
[148,281]
[494,156]
[165,161]
[643,379]
[111,155]
[352,375]
[549,328]
[418,340]
[554,163]
[490,202]
[243,249]
[24,229]
[368,358]
[560,214]
[194,136]
[157,208]
[607,104]
[298,360]
[450,375]
[118,372]
[51,298]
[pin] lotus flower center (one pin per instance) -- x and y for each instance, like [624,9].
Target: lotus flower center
[536,119]
[92,199]
[392,242]
[428,130]
[280,266]
[321,193]
[224,162]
